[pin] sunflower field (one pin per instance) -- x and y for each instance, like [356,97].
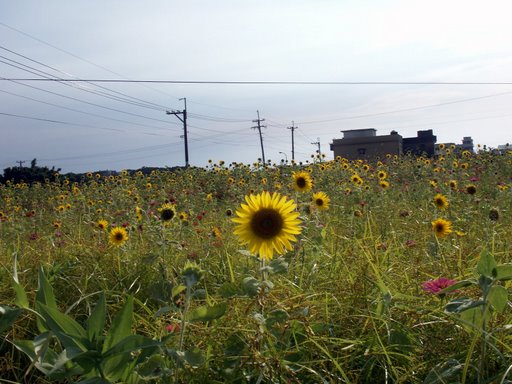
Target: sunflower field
[393,271]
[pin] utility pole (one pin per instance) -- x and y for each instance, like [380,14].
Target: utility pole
[184,121]
[318,150]
[293,128]
[20,162]
[258,127]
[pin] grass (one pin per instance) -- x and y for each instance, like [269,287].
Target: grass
[345,305]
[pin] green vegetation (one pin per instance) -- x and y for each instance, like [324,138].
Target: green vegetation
[400,274]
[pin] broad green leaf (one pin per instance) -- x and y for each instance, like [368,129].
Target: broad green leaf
[118,361]
[472,319]
[498,297]
[8,316]
[44,294]
[487,265]
[96,321]
[504,272]
[207,313]
[121,326]
[194,357]
[153,368]
[21,299]
[70,333]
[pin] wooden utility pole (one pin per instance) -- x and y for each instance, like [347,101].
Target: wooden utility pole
[293,128]
[184,121]
[258,127]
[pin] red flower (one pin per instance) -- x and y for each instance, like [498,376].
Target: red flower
[434,286]
[172,328]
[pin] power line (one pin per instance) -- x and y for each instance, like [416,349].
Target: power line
[270,82]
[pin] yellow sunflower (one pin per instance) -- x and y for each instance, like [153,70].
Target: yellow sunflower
[118,236]
[442,227]
[471,189]
[384,184]
[167,212]
[440,201]
[302,181]
[320,200]
[267,224]
[102,224]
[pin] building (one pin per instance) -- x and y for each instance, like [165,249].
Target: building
[365,144]
[422,145]
[467,145]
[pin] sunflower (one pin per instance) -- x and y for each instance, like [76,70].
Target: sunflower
[471,189]
[440,201]
[382,175]
[267,224]
[302,181]
[167,212]
[102,224]
[118,236]
[453,184]
[183,216]
[441,227]
[320,200]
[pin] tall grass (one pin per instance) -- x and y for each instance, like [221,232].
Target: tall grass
[346,305]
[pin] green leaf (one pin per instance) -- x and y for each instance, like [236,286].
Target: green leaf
[8,317]
[462,304]
[278,265]
[121,326]
[44,294]
[504,272]
[21,299]
[68,331]
[208,313]
[251,286]
[498,297]
[457,285]
[118,361]
[446,372]
[96,321]
[177,290]
[473,319]
[487,265]
[228,290]
[194,357]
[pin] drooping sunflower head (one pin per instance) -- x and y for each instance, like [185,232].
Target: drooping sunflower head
[440,201]
[167,212]
[442,227]
[267,224]
[320,201]
[118,236]
[302,181]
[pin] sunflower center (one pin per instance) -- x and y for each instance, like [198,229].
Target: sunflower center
[119,236]
[167,214]
[439,228]
[267,223]
[301,182]
[319,202]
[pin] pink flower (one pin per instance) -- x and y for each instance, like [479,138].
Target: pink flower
[434,286]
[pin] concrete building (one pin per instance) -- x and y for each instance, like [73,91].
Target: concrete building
[421,145]
[365,144]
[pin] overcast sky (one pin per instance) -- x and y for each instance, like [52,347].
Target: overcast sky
[95,126]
